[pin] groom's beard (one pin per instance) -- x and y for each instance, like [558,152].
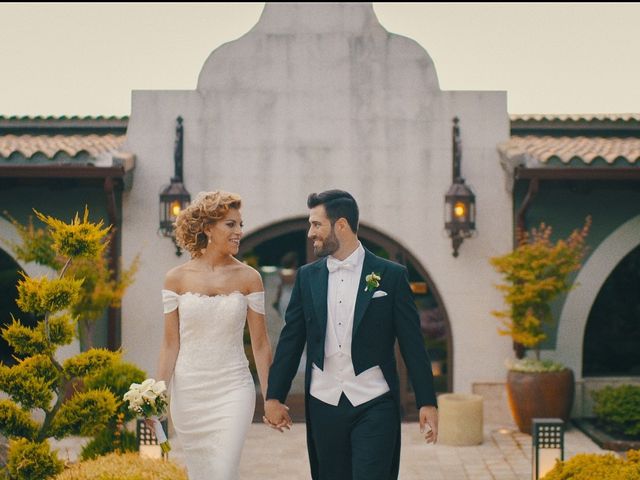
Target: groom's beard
[329,245]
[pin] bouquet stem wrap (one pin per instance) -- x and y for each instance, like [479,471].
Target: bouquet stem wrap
[160,435]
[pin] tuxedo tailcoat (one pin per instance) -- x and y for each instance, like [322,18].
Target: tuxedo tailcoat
[377,324]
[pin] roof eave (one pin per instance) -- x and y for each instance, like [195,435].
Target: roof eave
[591,173]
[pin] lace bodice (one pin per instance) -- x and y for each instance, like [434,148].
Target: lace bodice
[211,328]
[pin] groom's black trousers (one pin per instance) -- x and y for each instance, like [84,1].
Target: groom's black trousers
[355,443]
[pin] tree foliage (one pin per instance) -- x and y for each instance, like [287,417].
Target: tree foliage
[534,274]
[39,381]
[86,243]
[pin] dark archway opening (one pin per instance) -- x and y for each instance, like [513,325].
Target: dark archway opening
[264,250]
[9,275]
[612,335]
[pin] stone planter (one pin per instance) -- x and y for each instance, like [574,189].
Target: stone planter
[539,395]
[460,419]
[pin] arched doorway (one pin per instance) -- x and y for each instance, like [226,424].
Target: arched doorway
[9,275]
[590,279]
[612,335]
[264,250]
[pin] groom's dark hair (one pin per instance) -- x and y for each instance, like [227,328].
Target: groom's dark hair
[337,204]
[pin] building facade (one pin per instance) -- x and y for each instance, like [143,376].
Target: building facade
[321,96]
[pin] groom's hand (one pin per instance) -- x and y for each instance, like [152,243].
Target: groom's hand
[276,415]
[429,423]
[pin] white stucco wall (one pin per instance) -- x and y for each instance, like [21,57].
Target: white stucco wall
[320,96]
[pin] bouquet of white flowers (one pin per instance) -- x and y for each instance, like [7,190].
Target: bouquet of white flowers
[149,400]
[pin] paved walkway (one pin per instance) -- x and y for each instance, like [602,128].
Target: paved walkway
[505,454]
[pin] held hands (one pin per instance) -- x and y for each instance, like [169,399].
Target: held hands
[429,423]
[276,415]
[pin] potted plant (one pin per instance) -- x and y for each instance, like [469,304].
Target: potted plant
[535,273]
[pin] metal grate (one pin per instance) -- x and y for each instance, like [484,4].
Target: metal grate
[548,433]
[146,435]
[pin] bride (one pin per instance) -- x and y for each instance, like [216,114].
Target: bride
[206,302]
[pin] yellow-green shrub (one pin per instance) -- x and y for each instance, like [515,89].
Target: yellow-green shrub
[85,414]
[117,378]
[597,467]
[112,439]
[38,380]
[31,460]
[128,466]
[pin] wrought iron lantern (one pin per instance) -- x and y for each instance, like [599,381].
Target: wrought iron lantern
[547,445]
[148,446]
[174,197]
[460,202]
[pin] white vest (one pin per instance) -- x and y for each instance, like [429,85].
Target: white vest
[338,375]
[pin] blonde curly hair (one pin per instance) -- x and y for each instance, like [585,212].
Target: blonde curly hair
[206,209]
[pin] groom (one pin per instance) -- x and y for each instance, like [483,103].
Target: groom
[349,308]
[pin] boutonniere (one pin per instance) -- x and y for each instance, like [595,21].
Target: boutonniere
[373,281]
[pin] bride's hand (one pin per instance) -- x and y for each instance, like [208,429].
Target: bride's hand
[276,415]
[149,423]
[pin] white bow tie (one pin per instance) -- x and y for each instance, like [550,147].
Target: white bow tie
[334,265]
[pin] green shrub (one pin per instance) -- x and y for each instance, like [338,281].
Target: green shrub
[618,409]
[110,440]
[117,378]
[128,466]
[597,467]
[32,460]
[86,414]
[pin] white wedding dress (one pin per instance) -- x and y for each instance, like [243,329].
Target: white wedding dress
[212,392]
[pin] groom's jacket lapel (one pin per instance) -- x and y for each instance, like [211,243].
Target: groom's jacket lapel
[363,298]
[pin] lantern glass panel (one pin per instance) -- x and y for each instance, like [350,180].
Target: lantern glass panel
[175,207]
[460,211]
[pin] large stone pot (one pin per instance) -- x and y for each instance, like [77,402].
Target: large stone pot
[539,395]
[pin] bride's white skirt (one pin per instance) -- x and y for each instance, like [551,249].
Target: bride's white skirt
[211,411]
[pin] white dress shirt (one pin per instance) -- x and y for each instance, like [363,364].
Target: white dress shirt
[338,375]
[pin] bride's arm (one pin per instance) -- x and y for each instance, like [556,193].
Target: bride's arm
[171,337]
[260,343]
[261,347]
[170,347]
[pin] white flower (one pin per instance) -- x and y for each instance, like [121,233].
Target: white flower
[146,394]
[133,397]
[373,281]
[147,384]
[159,387]
[149,395]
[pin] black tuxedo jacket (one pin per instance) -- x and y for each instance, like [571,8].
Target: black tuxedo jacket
[377,323]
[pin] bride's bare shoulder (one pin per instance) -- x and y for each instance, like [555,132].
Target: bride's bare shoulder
[251,278]
[174,277]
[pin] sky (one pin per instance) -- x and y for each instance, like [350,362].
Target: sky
[85,59]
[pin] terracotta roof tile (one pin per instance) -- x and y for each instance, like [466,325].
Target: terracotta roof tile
[77,118]
[50,145]
[586,117]
[543,149]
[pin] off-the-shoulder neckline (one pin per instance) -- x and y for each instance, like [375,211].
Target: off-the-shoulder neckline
[198,294]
